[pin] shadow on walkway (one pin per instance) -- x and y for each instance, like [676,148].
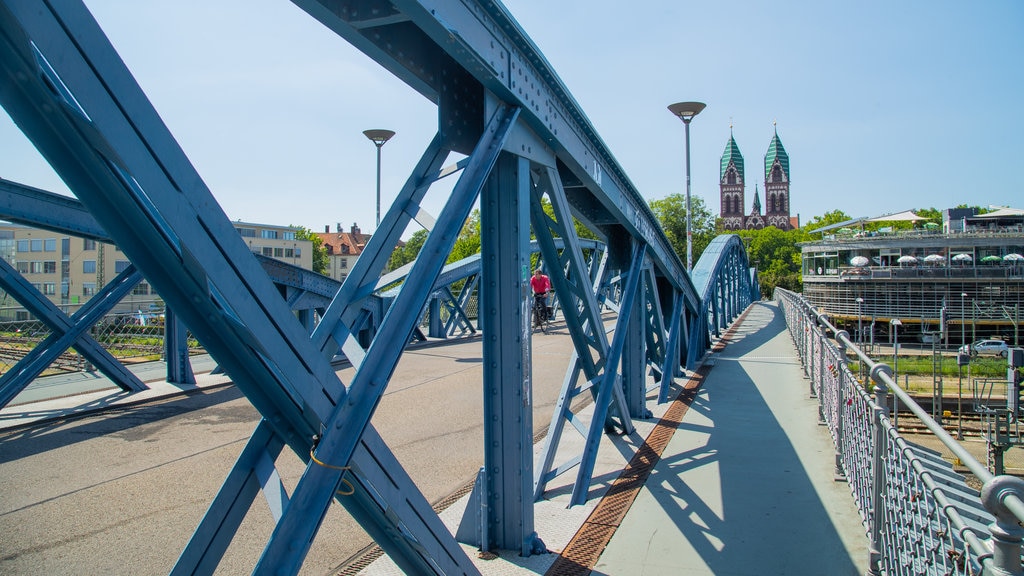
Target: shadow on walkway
[745,486]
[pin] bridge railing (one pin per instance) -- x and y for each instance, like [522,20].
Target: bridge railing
[920,516]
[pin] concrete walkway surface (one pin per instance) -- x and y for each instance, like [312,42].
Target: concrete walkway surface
[735,477]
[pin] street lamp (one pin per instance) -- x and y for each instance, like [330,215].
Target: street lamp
[379,138]
[895,347]
[860,316]
[686,111]
[963,323]
[960,371]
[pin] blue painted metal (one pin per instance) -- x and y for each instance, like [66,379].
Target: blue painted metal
[66,332]
[507,366]
[314,491]
[71,95]
[608,387]
[724,258]
[120,161]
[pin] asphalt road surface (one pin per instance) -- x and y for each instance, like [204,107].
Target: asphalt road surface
[120,492]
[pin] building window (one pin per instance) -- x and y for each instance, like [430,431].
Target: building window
[141,289]
[50,267]
[278,252]
[50,245]
[24,246]
[289,253]
[288,235]
[35,267]
[88,289]
[344,263]
[37,244]
[268,234]
[121,266]
[22,267]
[268,251]
[88,266]
[88,244]
[247,232]
[49,288]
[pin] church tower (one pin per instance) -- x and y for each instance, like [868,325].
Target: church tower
[755,221]
[776,185]
[731,186]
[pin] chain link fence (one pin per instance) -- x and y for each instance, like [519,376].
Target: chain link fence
[130,337]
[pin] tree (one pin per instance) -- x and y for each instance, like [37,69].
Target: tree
[408,252]
[319,250]
[777,257]
[468,242]
[671,214]
[826,219]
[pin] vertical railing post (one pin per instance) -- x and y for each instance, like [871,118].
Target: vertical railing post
[878,462]
[1006,531]
[812,336]
[840,472]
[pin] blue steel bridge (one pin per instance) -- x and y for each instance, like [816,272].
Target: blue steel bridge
[275,330]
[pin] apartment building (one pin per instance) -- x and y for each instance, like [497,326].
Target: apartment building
[70,270]
[343,249]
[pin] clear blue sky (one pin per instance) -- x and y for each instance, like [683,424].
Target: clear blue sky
[881,105]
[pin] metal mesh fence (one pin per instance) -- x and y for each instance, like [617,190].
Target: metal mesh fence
[130,337]
[920,517]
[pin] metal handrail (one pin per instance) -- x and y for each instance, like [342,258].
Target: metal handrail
[998,552]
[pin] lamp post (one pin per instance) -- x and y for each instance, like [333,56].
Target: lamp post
[960,370]
[860,317]
[379,138]
[686,111]
[895,347]
[963,322]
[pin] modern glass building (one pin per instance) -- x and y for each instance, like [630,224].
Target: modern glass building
[961,281]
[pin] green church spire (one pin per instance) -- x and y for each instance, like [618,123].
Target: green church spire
[776,152]
[732,154]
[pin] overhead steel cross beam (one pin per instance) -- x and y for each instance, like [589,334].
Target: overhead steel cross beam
[64,86]
[428,42]
[66,332]
[723,276]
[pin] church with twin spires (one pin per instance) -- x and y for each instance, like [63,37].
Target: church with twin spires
[776,190]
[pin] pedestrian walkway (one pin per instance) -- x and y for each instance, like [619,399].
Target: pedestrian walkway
[744,483]
[734,477]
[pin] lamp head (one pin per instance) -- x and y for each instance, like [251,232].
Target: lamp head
[379,137]
[686,110]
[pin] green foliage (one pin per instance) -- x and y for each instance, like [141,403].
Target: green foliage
[409,251]
[777,257]
[319,250]
[826,219]
[468,242]
[671,214]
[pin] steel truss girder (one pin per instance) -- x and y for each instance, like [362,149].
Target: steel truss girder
[73,98]
[66,332]
[351,416]
[64,215]
[610,386]
[422,41]
[573,284]
[723,277]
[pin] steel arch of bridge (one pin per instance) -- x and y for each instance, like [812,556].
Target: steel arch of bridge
[525,139]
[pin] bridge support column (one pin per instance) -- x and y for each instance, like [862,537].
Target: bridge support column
[179,368]
[633,358]
[507,490]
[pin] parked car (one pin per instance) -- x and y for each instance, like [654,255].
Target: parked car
[984,347]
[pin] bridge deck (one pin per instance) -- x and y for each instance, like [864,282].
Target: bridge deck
[743,485]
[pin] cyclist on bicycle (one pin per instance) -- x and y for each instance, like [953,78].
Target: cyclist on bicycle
[541,285]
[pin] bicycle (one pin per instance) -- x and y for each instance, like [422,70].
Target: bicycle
[540,311]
